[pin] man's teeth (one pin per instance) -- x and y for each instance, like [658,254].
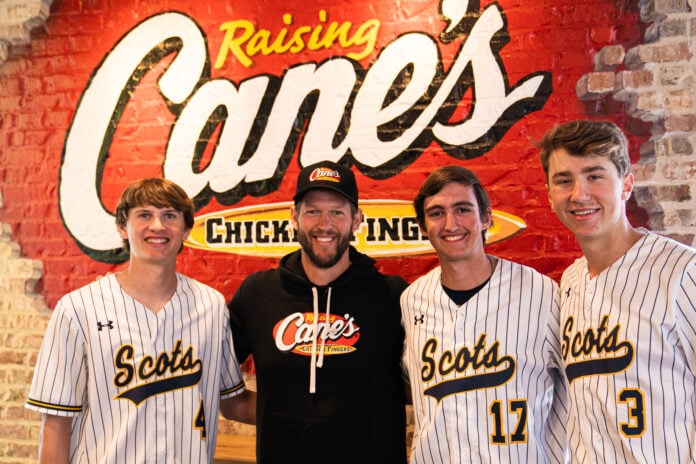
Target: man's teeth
[324,239]
[452,238]
[157,240]
[584,212]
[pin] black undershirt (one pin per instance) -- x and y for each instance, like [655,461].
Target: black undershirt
[462,296]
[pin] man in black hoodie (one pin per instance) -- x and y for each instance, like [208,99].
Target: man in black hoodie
[325,334]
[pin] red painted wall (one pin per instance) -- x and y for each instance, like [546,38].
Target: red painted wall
[42,86]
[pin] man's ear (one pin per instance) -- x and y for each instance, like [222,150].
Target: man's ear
[357,220]
[487,218]
[122,232]
[627,187]
[293,217]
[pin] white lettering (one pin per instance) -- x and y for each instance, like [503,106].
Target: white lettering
[402,103]
[303,332]
[96,118]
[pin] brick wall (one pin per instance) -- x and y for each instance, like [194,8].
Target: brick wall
[654,82]
[23,318]
[23,312]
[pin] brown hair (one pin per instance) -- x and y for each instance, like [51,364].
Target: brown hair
[586,138]
[444,175]
[160,193]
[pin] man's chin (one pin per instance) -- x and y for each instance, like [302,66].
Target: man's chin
[323,263]
[324,260]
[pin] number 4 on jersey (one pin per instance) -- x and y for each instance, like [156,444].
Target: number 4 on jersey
[199,422]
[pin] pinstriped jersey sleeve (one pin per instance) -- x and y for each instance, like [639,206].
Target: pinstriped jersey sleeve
[685,312]
[59,383]
[554,436]
[224,371]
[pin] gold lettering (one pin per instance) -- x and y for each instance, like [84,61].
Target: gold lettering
[365,35]
[278,46]
[298,42]
[232,44]
[591,341]
[477,358]
[148,367]
[244,41]
[258,43]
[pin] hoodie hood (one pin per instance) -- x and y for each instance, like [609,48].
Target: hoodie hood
[295,279]
[362,267]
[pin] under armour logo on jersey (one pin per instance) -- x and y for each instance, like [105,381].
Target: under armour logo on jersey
[419,319]
[567,292]
[109,325]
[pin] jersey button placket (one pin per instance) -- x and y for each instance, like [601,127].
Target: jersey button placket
[454,417]
[158,403]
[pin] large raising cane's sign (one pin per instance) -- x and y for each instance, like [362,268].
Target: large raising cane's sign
[379,118]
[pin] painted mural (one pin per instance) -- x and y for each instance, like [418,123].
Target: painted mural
[230,99]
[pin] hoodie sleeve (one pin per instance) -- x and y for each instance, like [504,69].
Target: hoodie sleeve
[396,286]
[239,333]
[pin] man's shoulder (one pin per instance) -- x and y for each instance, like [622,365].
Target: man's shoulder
[262,275]
[395,284]
[102,285]
[190,284]
[525,269]
[576,270]
[425,280]
[394,281]
[76,302]
[670,244]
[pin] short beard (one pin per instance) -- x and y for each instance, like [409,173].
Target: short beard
[324,262]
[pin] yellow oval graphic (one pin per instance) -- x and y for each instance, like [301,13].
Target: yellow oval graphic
[389,228]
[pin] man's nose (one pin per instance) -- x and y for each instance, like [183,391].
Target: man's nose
[451,222]
[579,191]
[156,223]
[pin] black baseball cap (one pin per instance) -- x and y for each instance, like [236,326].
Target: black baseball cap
[327,175]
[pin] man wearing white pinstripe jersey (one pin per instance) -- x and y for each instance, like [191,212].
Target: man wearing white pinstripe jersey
[482,351]
[628,309]
[133,367]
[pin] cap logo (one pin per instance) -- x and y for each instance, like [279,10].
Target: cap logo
[325,174]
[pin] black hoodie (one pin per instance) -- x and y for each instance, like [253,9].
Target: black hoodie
[356,412]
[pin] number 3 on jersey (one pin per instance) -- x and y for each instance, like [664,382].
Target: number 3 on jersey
[519,434]
[633,398]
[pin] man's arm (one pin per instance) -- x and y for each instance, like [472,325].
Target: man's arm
[54,444]
[240,408]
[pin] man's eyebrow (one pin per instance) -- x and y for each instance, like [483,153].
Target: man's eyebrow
[560,174]
[166,209]
[593,169]
[459,203]
[586,170]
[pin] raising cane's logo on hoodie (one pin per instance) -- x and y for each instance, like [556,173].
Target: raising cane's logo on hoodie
[298,331]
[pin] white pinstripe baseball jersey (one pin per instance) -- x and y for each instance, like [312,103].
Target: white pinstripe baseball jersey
[143,387]
[482,374]
[629,348]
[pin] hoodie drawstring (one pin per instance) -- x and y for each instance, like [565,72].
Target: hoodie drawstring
[314,363]
[327,326]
